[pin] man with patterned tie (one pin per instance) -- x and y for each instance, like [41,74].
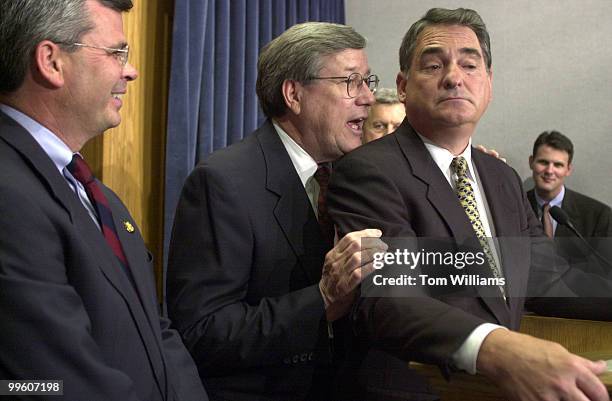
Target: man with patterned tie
[427,181]
[77,292]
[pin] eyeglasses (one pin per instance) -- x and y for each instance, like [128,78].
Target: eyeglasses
[355,81]
[120,54]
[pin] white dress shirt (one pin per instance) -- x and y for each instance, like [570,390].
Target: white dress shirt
[304,164]
[465,357]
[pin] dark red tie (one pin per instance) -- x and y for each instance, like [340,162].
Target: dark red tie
[327,226]
[81,171]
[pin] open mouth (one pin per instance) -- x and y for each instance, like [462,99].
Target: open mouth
[356,125]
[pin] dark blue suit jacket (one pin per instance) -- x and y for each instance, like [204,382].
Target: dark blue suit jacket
[68,310]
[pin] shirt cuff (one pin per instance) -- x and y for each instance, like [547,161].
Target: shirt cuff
[465,357]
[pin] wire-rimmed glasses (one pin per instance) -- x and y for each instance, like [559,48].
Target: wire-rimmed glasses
[355,81]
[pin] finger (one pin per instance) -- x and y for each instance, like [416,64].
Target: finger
[592,387]
[357,235]
[352,242]
[481,148]
[589,383]
[494,153]
[358,275]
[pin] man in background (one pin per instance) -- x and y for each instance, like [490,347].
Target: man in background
[385,115]
[551,164]
[77,293]
[427,181]
[255,284]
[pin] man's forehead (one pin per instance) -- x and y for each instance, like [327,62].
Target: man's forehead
[345,61]
[546,152]
[437,38]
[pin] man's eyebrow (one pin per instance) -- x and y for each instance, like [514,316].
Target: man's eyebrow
[471,52]
[435,50]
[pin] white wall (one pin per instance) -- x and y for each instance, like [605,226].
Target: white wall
[552,69]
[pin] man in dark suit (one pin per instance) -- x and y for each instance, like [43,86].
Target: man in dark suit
[551,164]
[428,181]
[77,292]
[253,286]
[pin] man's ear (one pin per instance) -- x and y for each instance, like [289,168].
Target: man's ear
[531,162]
[293,94]
[570,169]
[400,82]
[49,64]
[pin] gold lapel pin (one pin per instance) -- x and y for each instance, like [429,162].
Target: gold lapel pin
[128,226]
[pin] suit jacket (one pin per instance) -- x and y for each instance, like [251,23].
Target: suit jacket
[593,220]
[590,217]
[244,264]
[394,184]
[68,310]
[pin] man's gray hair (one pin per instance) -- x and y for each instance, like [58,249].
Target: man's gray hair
[25,23]
[386,96]
[443,16]
[297,54]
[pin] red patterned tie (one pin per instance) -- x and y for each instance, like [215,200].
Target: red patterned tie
[81,171]
[327,227]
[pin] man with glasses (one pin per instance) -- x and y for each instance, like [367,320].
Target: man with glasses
[255,284]
[77,293]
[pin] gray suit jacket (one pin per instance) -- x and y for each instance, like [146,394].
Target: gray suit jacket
[69,312]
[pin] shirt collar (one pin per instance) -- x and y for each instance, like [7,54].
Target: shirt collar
[556,201]
[57,150]
[444,158]
[304,164]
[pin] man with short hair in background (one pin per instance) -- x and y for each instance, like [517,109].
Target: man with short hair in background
[385,115]
[551,164]
[77,290]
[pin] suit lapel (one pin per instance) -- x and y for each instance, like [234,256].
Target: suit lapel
[25,144]
[444,200]
[293,211]
[439,193]
[571,208]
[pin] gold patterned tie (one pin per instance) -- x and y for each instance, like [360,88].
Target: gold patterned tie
[465,193]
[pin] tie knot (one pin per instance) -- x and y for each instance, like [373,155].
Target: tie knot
[80,170]
[322,175]
[459,166]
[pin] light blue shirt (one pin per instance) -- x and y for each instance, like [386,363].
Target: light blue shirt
[59,153]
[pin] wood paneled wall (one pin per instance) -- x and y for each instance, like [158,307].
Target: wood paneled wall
[130,158]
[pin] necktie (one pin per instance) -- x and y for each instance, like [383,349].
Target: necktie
[465,193]
[81,171]
[327,227]
[547,220]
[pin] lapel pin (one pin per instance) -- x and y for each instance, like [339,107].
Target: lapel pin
[128,226]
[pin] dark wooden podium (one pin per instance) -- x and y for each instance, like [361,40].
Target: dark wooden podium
[588,338]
